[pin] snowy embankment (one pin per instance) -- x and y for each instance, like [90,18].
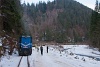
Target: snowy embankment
[85,51]
[79,55]
[67,56]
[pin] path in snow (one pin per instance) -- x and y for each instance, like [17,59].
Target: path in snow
[47,60]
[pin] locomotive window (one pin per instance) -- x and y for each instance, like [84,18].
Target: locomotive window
[26,40]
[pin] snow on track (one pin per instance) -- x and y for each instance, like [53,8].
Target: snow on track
[24,62]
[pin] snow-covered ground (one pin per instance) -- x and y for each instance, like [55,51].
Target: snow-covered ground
[0,42]
[67,56]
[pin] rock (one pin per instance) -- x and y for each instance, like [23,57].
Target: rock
[76,57]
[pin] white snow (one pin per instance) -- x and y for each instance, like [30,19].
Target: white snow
[24,62]
[82,56]
[0,42]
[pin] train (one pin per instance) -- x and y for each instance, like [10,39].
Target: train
[25,46]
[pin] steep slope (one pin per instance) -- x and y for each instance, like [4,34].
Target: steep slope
[60,20]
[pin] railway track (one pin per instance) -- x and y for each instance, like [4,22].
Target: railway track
[21,61]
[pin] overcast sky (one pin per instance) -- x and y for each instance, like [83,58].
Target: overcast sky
[89,3]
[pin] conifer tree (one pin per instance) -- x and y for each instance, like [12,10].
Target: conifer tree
[11,21]
[95,27]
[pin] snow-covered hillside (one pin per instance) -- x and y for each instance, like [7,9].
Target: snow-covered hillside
[66,56]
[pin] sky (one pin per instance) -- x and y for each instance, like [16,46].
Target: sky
[88,3]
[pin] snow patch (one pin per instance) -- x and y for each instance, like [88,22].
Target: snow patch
[0,42]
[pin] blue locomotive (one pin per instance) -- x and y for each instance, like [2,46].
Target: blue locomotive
[25,45]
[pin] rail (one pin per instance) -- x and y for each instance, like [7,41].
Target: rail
[28,64]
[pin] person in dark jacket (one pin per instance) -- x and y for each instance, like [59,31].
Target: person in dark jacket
[47,49]
[41,49]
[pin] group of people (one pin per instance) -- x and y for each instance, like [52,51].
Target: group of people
[41,49]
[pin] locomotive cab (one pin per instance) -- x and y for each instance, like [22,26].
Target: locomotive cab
[25,45]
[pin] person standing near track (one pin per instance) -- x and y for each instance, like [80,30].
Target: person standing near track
[41,49]
[47,49]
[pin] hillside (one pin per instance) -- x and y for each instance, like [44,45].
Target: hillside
[60,20]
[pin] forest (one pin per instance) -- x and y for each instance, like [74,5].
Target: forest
[10,24]
[95,27]
[59,21]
